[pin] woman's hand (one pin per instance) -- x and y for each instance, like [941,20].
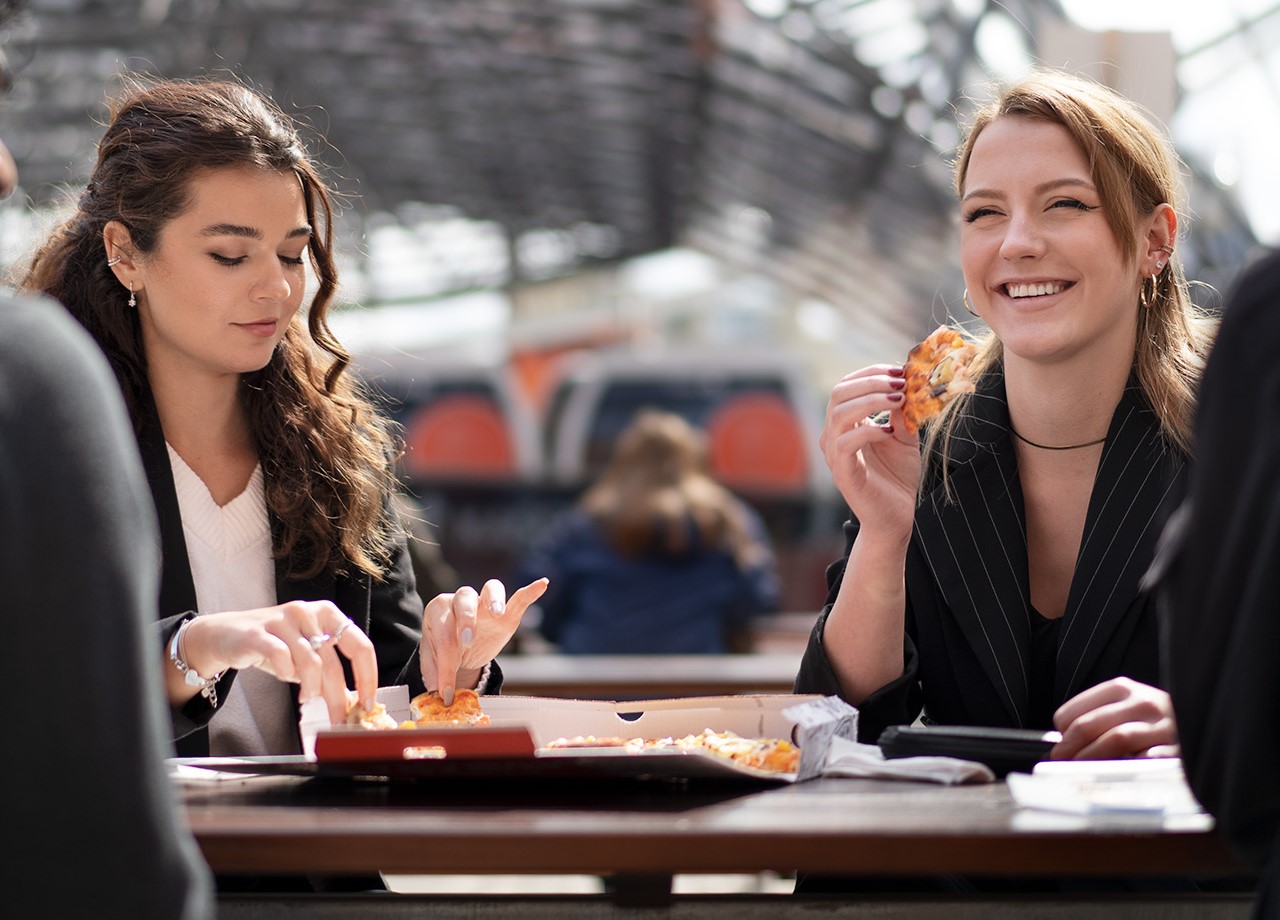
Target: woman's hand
[464,631]
[297,642]
[1118,718]
[875,466]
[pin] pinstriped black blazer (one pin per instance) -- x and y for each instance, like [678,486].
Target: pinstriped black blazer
[968,631]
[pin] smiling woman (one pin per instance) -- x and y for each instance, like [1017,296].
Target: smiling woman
[993,567]
[995,545]
[188,261]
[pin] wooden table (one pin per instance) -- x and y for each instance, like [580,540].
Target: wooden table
[641,834]
[633,677]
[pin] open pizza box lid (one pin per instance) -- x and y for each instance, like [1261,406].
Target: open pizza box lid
[514,743]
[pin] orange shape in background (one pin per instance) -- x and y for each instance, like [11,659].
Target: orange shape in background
[459,435]
[756,444]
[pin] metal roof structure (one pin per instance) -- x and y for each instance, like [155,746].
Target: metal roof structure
[803,139]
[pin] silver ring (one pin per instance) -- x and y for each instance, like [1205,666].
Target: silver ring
[318,641]
[337,633]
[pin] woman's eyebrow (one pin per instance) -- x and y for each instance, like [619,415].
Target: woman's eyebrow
[1043,187]
[252,233]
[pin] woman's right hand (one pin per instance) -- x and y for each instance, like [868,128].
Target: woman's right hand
[278,640]
[875,466]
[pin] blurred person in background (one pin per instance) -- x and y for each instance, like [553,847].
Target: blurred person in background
[1218,577]
[656,557]
[86,804]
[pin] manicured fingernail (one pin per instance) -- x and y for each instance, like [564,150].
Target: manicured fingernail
[896,372]
[466,637]
[895,397]
[887,429]
[897,383]
[447,696]
[497,606]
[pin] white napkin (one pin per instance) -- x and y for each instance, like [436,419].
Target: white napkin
[851,758]
[1154,786]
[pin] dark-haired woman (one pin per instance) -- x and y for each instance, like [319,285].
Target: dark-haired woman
[284,567]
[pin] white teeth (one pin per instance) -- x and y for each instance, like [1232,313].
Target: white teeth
[1034,290]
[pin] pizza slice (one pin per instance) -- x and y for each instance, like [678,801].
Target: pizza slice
[376,718]
[429,709]
[936,372]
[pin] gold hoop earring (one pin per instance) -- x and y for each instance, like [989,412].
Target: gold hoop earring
[1145,300]
[966,304]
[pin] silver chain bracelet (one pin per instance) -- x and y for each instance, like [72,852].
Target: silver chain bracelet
[208,685]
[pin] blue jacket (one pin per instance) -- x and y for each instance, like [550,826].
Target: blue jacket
[601,602]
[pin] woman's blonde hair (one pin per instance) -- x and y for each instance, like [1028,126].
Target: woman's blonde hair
[1135,169]
[656,496]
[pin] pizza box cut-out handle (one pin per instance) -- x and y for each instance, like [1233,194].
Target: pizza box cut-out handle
[463,743]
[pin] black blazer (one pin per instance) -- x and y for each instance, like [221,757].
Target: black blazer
[968,630]
[388,610]
[1220,582]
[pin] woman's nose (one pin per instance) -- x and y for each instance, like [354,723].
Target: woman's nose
[274,284]
[1022,239]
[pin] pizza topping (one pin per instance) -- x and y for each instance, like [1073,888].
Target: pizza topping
[771,754]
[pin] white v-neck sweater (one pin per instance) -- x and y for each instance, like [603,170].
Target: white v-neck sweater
[229,550]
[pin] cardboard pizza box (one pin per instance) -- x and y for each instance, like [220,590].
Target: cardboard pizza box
[515,742]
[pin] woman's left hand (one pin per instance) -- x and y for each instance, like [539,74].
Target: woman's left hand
[463,631]
[1115,719]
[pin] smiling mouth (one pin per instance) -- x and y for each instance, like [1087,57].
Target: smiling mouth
[1036,289]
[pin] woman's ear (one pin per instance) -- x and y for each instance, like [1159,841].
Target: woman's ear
[120,254]
[1162,234]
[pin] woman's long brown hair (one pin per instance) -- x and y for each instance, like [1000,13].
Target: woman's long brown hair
[326,453]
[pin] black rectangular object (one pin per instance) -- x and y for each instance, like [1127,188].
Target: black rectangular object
[1004,750]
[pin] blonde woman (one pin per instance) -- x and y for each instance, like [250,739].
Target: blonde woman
[992,574]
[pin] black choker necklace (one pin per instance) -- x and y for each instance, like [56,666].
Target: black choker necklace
[1049,447]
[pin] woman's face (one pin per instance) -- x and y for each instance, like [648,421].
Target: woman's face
[226,276]
[1041,263]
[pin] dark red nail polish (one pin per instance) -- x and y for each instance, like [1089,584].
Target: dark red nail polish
[895,397]
[896,372]
[887,429]
[897,383]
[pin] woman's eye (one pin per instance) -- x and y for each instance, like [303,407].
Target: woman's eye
[977,213]
[226,260]
[291,260]
[1073,204]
